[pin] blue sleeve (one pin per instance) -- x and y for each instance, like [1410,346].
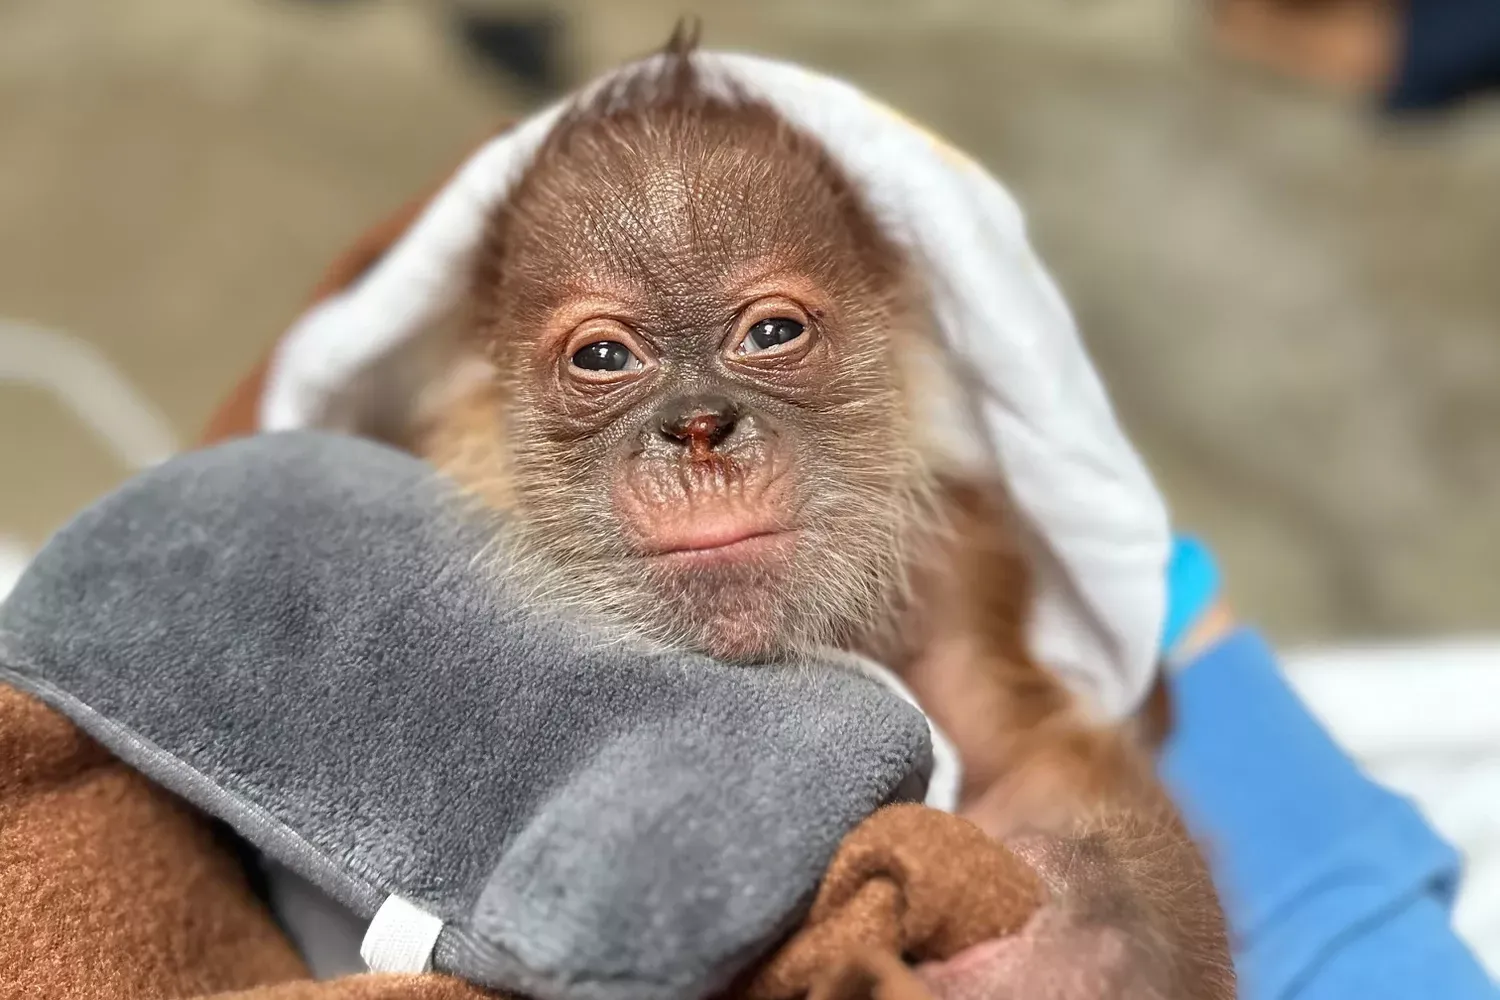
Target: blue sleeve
[1335,886]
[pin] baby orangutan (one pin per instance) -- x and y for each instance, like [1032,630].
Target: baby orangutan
[704,405]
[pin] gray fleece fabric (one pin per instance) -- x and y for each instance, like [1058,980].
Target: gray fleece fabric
[303,636]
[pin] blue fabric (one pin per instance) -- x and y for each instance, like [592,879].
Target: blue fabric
[1192,587]
[1335,887]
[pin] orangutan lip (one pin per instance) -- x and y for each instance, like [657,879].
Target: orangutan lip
[726,545]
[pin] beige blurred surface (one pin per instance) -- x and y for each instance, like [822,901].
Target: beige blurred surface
[1297,310]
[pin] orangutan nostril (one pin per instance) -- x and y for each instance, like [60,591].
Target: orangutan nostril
[699,421]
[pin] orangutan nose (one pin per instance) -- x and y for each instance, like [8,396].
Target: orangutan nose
[700,422]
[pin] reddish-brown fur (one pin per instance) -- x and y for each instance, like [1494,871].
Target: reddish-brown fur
[666,219]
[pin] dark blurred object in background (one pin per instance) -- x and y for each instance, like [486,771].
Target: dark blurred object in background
[524,45]
[1414,56]
[1450,52]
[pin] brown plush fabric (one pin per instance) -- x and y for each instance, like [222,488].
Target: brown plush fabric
[908,882]
[111,889]
[366,987]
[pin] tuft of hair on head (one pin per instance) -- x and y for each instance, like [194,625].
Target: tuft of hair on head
[686,35]
[669,79]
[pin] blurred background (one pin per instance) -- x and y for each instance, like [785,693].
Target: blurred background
[1295,302]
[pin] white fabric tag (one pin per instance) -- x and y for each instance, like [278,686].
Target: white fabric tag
[400,937]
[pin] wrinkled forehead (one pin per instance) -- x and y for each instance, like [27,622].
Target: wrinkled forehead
[662,196]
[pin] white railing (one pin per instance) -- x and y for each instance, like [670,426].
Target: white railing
[84,382]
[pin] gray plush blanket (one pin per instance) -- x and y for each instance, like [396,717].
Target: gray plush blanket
[299,635]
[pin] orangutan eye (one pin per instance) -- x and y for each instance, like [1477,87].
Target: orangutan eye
[769,333]
[606,356]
